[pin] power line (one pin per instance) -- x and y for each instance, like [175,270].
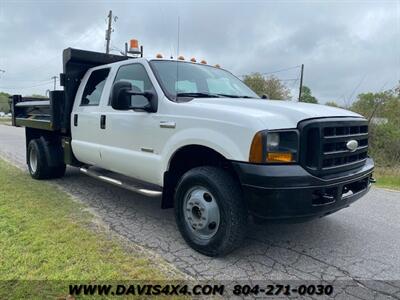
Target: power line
[289,79]
[276,71]
[354,90]
[23,80]
[281,70]
[26,87]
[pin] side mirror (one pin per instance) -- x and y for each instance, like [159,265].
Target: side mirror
[121,97]
[120,100]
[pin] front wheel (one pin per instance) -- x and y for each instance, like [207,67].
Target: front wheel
[210,212]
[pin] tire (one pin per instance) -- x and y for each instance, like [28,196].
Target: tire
[38,164]
[200,193]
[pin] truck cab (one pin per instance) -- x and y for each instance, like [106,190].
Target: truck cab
[197,137]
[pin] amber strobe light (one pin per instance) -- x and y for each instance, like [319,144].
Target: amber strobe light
[256,149]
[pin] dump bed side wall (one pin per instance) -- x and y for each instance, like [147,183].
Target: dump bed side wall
[43,114]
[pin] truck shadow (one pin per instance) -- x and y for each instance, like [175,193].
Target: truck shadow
[268,247]
[126,212]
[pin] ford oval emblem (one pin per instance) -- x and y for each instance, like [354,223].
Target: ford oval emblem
[352,145]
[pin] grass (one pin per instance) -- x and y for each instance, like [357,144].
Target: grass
[5,121]
[388,177]
[48,237]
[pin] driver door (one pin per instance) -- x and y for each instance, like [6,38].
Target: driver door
[128,146]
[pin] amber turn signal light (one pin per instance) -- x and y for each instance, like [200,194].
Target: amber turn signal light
[279,157]
[256,149]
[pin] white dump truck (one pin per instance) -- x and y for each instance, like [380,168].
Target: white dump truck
[200,140]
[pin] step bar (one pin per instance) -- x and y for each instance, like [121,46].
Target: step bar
[122,181]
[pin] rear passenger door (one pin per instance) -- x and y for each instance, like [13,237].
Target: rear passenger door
[85,118]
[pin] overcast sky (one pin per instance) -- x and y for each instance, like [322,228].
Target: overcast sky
[347,47]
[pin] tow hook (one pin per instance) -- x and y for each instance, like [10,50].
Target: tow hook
[372,180]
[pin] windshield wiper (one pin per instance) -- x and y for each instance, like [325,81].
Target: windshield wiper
[198,95]
[234,96]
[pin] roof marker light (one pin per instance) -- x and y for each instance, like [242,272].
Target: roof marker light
[193,59]
[180,57]
[159,55]
[203,62]
[217,66]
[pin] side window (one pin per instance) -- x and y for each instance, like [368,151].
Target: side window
[136,74]
[94,87]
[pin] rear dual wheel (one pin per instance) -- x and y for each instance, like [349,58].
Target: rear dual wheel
[210,212]
[38,164]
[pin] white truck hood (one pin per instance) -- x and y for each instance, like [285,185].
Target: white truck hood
[271,114]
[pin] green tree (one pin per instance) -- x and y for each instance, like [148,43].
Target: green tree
[306,95]
[381,105]
[384,137]
[4,102]
[332,103]
[37,96]
[270,86]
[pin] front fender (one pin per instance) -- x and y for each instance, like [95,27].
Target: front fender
[212,139]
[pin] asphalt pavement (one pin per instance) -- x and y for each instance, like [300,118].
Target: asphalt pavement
[358,243]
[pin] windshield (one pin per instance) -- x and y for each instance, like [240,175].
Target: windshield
[184,79]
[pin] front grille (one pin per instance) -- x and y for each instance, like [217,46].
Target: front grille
[323,147]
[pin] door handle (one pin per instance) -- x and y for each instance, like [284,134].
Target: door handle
[75,120]
[167,124]
[103,121]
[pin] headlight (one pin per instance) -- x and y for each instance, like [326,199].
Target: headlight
[275,147]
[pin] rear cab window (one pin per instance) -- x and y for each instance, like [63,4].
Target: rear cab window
[94,87]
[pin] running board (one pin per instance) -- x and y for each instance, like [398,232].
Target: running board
[122,181]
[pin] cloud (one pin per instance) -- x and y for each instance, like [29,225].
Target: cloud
[346,47]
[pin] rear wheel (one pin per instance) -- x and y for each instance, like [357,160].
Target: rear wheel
[38,164]
[210,212]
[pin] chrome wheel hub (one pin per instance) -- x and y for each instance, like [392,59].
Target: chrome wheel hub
[201,212]
[33,160]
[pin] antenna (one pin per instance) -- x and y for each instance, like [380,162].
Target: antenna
[177,64]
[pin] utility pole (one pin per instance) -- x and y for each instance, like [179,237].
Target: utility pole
[55,80]
[301,81]
[108,32]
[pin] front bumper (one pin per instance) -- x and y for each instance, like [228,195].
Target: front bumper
[289,193]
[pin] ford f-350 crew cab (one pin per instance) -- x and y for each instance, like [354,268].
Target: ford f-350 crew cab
[199,137]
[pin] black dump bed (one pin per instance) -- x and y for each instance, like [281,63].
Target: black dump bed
[54,112]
